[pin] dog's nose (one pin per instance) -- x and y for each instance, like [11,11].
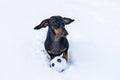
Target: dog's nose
[65,33]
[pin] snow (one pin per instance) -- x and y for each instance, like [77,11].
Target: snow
[93,37]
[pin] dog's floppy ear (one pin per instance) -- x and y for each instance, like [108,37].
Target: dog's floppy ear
[43,24]
[67,20]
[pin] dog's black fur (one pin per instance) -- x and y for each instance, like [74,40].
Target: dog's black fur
[56,42]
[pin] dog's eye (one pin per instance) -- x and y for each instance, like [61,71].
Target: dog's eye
[57,22]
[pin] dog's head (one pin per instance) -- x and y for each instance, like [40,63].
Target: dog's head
[56,24]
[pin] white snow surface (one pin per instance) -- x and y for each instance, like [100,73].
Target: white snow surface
[94,39]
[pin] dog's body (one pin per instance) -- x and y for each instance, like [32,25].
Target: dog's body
[56,42]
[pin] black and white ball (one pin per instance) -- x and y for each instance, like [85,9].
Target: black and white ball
[58,64]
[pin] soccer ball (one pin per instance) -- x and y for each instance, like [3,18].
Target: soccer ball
[58,64]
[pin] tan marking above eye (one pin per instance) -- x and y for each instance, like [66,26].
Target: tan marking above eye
[52,27]
[50,51]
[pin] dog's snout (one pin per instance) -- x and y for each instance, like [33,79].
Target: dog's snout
[65,33]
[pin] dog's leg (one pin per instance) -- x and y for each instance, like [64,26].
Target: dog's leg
[65,56]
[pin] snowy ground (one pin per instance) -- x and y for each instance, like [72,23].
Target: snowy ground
[94,39]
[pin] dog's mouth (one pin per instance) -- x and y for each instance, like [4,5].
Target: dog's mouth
[60,33]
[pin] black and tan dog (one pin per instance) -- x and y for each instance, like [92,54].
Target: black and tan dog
[56,42]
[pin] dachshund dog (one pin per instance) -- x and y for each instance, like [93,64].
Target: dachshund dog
[56,42]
